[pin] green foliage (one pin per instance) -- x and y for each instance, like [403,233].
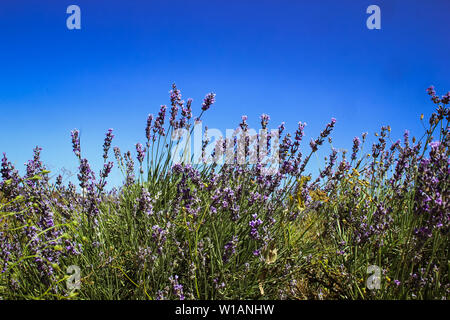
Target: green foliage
[228,232]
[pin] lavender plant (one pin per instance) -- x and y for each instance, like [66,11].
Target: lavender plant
[206,230]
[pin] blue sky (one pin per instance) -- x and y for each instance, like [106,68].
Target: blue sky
[294,60]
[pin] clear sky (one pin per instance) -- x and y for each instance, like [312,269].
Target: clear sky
[294,60]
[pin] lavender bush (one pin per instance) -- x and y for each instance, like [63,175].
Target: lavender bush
[201,230]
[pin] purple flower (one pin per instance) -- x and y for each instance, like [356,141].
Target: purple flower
[355,149]
[208,101]
[243,123]
[148,128]
[85,173]
[76,143]
[145,203]
[104,173]
[175,96]
[173,115]
[435,144]
[140,152]
[7,168]
[107,167]
[230,249]
[328,169]
[59,180]
[130,168]
[281,128]
[264,120]
[299,133]
[446,98]
[107,143]
[187,111]
[177,287]
[158,126]
[254,224]
[159,235]
[313,145]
